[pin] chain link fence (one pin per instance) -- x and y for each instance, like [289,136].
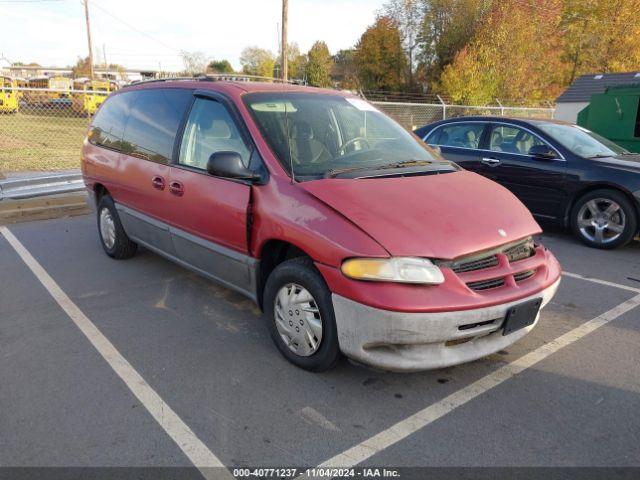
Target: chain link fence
[414,115]
[43,130]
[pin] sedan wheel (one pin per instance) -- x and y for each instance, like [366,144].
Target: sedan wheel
[601,220]
[604,219]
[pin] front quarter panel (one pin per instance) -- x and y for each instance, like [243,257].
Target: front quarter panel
[283,211]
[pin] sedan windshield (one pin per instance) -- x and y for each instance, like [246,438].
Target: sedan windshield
[581,141]
[322,134]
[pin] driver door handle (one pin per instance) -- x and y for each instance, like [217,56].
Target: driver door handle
[177,188]
[491,161]
[158,182]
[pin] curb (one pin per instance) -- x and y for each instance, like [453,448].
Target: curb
[44,208]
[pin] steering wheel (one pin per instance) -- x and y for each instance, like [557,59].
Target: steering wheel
[353,141]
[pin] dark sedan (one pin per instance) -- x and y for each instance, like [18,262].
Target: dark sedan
[563,173]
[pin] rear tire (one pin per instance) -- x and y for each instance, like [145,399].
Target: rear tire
[113,238]
[300,317]
[604,219]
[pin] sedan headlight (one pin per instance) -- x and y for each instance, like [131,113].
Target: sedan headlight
[396,269]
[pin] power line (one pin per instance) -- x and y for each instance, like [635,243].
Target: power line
[135,29]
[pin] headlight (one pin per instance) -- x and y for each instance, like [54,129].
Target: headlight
[397,269]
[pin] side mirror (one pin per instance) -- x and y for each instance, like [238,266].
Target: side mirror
[230,165]
[542,152]
[437,149]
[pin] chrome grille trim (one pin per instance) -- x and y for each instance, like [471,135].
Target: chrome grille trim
[514,251]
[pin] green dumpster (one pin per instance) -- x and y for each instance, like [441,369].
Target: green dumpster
[615,114]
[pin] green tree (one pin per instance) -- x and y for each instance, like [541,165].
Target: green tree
[296,62]
[408,15]
[319,64]
[600,36]
[257,61]
[380,58]
[220,66]
[344,69]
[514,55]
[447,27]
[82,68]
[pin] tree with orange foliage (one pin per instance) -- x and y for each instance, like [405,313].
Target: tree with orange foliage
[514,55]
[380,59]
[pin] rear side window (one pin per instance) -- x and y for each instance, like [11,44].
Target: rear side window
[464,135]
[108,124]
[512,140]
[153,122]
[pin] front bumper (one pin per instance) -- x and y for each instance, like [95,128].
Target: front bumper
[421,341]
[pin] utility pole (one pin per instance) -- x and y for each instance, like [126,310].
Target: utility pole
[285,45]
[104,55]
[86,14]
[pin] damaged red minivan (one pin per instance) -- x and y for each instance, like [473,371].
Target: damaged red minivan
[352,236]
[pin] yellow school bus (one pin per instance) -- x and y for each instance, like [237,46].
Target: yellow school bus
[62,87]
[37,91]
[9,100]
[89,95]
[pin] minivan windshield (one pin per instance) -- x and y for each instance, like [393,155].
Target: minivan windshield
[581,141]
[319,134]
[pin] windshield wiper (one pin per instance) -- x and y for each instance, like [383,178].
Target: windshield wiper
[407,163]
[600,155]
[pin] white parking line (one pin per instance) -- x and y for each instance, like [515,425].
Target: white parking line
[601,282]
[179,431]
[430,414]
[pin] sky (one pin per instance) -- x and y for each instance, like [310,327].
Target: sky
[151,34]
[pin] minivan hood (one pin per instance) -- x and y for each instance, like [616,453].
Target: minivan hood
[436,216]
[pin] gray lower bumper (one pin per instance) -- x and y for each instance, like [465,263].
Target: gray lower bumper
[421,341]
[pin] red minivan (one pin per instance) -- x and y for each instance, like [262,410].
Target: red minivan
[351,235]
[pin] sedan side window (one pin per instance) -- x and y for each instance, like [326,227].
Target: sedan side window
[463,135]
[510,139]
[210,129]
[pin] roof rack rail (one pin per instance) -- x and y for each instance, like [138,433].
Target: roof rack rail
[220,77]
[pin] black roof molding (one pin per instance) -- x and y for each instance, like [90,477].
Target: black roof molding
[586,85]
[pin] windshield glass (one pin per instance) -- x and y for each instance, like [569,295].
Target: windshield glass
[325,133]
[581,141]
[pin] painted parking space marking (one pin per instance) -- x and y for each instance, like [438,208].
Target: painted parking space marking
[601,282]
[180,433]
[402,429]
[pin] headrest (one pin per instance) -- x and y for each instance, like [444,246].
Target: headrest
[301,131]
[219,129]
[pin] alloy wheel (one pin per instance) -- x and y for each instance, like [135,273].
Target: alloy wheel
[601,220]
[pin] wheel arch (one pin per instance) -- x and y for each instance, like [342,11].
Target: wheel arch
[272,253]
[99,191]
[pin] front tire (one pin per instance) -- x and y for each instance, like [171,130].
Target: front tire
[604,219]
[113,238]
[300,315]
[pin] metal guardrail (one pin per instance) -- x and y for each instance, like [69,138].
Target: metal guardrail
[38,186]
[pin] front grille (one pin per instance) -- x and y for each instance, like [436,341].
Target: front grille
[519,277]
[472,265]
[490,260]
[514,252]
[520,251]
[486,284]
